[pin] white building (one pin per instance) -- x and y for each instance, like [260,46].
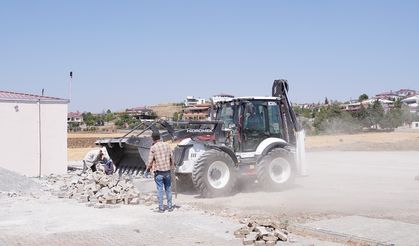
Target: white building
[75,117]
[387,104]
[221,97]
[412,103]
[192,101]
[34,133]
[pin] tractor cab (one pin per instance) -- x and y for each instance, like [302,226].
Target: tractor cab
[247,121]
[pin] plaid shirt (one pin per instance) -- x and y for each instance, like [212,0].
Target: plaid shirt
[160,157]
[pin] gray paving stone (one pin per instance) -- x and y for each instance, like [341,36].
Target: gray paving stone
[384,231]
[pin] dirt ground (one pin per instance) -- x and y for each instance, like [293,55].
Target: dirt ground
[371,175]
[80,143]
[376,184]
[379,141]
[373,184]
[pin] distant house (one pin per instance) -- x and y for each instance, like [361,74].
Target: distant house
[392,96]
[197,112]
[351,107]
[387,104]
[142,113]
[192,101]
[412,103]
[34,133]
[74,117]
[221,97]
[403,93]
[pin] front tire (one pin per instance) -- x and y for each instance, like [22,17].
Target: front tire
[214,174]
[276,170]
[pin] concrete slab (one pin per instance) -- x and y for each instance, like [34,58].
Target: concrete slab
[367,230]
[75,165]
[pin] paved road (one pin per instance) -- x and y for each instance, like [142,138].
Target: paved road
[52,221]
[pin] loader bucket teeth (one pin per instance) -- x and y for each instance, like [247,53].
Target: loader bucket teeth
[129,155]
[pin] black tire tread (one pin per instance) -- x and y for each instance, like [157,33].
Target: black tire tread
[263,175]
[199,173]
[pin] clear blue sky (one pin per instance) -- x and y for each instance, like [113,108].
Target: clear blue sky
[133,53]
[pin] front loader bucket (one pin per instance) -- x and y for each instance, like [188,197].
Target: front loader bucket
[129,155]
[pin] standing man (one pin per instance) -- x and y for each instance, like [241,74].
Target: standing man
[160,162]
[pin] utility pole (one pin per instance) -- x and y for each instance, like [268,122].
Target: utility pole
[69,85]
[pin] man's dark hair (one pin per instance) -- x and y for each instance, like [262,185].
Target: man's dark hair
[155,136]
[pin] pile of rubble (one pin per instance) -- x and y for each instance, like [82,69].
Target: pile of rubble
[13,184]
[97,189]
[261,232]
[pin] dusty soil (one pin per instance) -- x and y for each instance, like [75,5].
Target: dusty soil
[14,182]
[87,140]
[378,184]
[47,220]
[373,184]
[80,143]
[379,141]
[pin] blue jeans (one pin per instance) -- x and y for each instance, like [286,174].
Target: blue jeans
[163,179]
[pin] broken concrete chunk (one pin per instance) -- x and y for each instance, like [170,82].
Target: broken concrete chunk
[280,235]
[270,238]
[94,187]
[264,222]
[260,243]
[62,195]
[135,201]
[262,230]
[241,232]
[99,205]
[74,180]
[248,241]
[270,243]
[83,198]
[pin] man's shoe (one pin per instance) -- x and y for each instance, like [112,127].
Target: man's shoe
[170,209]
[158,210]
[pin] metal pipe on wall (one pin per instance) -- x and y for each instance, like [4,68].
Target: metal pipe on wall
[40,137]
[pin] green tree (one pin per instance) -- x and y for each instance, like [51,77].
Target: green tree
[398,103]
[362,116]
[305,112]
[89,119]
[324,115]
[362,97]
[392,119]
[375,113]
[109,116]
[125,119]
[177,116]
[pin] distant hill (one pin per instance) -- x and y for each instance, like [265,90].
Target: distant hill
[166,110]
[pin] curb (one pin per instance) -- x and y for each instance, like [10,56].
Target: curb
[334,236]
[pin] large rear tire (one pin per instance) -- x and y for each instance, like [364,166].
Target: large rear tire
[276,170]
[214,174]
